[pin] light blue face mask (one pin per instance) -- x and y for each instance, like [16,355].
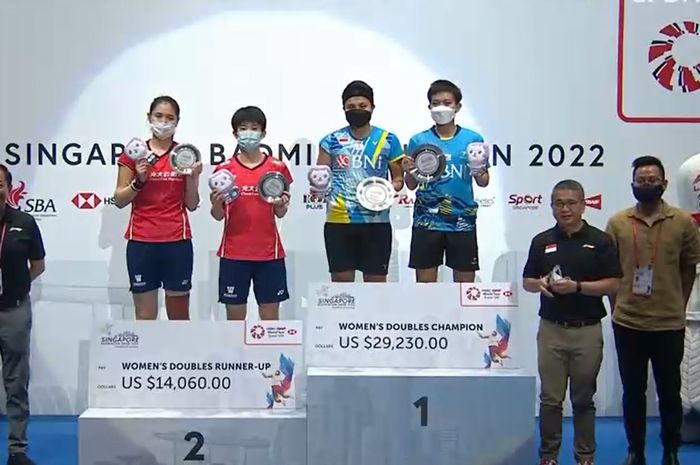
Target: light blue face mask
[249,139]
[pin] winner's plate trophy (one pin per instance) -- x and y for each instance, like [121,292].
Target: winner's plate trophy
[183,158]
[224,182]
[272,185]
[375,194]
[430,163]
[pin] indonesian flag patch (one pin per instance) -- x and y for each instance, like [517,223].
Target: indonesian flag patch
[550,248]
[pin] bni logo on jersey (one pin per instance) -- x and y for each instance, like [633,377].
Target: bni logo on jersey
[361,161]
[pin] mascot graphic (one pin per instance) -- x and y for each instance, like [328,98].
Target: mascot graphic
[281,380]
[498,343]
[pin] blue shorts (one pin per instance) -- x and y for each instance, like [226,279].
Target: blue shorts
[155,264]
[269,281]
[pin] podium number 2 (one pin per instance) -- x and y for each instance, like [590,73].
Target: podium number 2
[193,455]
[422,404]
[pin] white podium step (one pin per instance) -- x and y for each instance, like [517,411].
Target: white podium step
[186,437]
[418,417]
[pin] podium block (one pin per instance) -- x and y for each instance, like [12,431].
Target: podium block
[180,437]
[391,416]
[196,364]
[380,325]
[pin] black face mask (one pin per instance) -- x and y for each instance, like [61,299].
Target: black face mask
[649,194]
[358,118]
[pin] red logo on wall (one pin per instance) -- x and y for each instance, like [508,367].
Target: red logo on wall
[17,194]
[595,201]
[86,200]
[667,70]
[658,61]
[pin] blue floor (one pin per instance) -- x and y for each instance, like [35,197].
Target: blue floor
[54,441]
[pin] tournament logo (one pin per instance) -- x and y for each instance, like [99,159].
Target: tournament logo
[257,332]
[473,293]
[479,295]
[125,339]
[675,66]
[273,333]
[342,300]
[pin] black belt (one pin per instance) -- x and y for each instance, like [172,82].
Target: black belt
[574,323]
[7,304]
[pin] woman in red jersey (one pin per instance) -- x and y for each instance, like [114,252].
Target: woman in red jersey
[251,248]
[159,250]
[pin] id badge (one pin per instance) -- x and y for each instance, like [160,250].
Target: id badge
[643,278]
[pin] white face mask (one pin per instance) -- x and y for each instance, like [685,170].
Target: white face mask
[442,114]
[163,130]
[249,139]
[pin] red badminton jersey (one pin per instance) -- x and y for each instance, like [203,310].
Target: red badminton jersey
[250,228]
[158,212]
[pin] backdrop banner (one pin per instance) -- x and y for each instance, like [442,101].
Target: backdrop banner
[577,96]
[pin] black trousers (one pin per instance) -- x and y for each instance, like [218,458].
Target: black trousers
[665,351]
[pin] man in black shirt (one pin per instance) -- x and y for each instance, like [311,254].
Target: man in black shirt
[21,261]
[571,265]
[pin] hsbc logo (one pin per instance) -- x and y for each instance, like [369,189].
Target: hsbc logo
[90,200]
[86,200]
[595,201]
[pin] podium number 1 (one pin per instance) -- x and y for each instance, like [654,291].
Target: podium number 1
[422,404]
[193,455]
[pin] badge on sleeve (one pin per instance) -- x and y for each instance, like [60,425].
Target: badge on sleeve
[550,248]
[642,281]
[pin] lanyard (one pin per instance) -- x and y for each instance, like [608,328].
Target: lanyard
[636,246]
[2,237]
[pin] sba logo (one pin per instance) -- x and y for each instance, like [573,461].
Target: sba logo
[39,206]
[18,198]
